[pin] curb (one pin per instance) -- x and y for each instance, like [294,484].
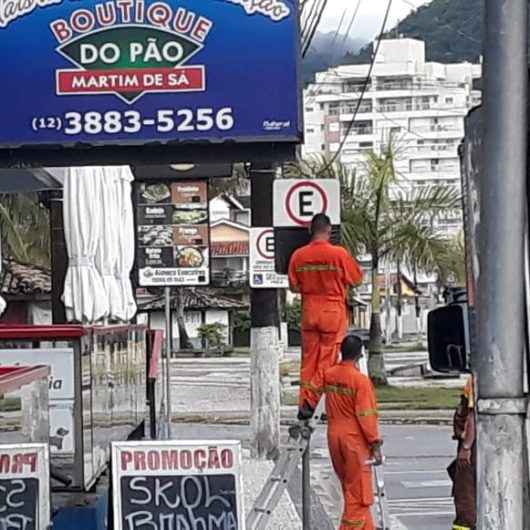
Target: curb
[288,418]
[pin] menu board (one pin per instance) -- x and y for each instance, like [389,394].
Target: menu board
[24,487]
[173,233]
[177,485]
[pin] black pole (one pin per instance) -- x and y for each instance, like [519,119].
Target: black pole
[265,389]
[264,302]
[59,256]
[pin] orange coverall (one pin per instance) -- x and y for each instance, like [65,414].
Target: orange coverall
[322,273]
[352,427]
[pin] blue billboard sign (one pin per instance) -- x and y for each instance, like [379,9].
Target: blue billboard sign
[100,72]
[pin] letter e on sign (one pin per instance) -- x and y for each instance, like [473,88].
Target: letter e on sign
[296,201]
[265,244]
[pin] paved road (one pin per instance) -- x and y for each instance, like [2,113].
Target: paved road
[417,483]
[418,486]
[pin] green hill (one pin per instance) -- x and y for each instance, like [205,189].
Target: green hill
[451,29]
[328,50]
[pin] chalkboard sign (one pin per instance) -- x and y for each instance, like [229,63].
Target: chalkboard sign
[24,487]
[177,485]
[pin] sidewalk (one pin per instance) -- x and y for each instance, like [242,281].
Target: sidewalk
[255,473]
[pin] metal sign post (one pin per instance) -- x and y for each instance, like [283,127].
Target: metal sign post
[167,370]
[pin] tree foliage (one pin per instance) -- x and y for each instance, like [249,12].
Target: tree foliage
[380,221]
[25,229]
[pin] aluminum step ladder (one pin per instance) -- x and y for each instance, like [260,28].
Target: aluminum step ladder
[381,504]
[278,480]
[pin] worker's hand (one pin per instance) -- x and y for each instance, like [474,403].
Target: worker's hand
[377,455]
[464,457]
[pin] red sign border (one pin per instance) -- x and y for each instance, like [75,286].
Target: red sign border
[267,231]
[290,194]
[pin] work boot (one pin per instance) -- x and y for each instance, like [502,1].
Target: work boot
[305,412]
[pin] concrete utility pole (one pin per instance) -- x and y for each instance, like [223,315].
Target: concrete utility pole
[264,342]
[500,307]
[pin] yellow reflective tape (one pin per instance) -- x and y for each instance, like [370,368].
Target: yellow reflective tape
[310,386]
[341,390]
[458,527]
[320,267]
[359,523]
[369,412]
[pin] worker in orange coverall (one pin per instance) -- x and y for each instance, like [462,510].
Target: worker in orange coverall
[353,434]
[322,273]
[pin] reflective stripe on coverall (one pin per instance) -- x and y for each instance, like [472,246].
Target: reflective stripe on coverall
[322,273]
[353,426]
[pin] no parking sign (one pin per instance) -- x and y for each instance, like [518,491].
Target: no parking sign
[297,201]
[262,272]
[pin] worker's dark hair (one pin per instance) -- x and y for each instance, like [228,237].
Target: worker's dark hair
[351,348]
[320,223]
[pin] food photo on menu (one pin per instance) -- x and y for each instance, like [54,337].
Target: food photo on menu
[191,217]
[190,257]
[155,193]
[155,236]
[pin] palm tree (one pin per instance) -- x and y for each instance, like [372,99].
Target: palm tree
[25,228]
[378,222]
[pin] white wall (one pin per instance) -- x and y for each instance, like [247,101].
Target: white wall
[219,209]
[40,313]
[193,321]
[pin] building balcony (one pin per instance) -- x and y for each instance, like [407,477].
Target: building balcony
[404,108]
[358,131]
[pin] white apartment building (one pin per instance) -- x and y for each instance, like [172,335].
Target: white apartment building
[420,106]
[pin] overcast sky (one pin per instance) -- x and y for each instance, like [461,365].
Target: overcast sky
[369,17]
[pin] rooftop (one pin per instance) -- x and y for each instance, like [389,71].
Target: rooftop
[22,279]
[195,298]
[225,249]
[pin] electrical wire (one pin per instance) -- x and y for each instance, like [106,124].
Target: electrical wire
[337,33]
[315,27]
[350,25]
[308,20]
[365,86]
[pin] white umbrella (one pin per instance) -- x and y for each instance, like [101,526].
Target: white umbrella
[108,244]
[126,245]
[84,294]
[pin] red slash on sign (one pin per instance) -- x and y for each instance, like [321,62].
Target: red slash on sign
[122,80]
[305,200]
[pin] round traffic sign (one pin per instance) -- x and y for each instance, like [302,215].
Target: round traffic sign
[305,200]
[262,244]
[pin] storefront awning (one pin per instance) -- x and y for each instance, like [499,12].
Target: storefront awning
[23,180]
